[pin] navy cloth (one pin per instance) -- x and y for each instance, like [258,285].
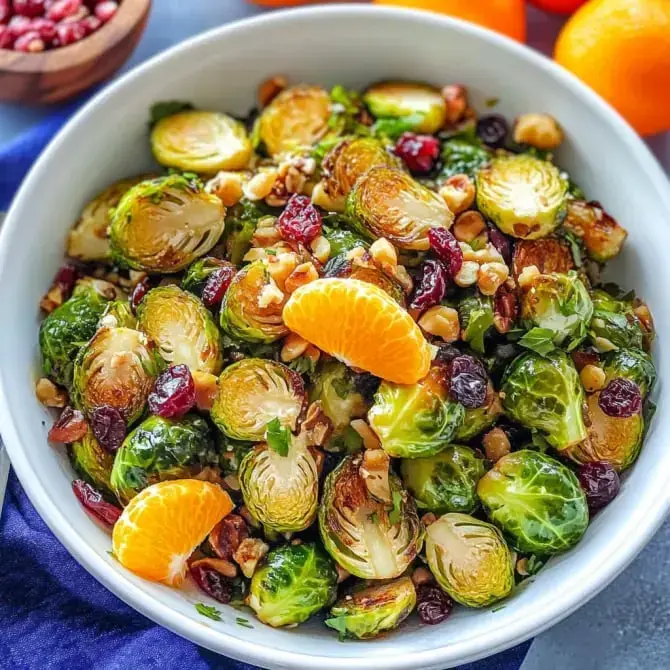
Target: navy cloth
[53,614]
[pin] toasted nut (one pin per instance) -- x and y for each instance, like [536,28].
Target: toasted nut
[54,298]
[467,251]
[254,254]
[505,308]
[527,277]
[49,394]
[441,321]
[538,130]
[313,353]
[458,192]
[293,346]
[375,471]
[320,247]
[281,266]
[643,313]
[456,97]
[226,568]
[136,276]
[467,275]
[206,386]
[422,576]
[270,294]
[321,199]
[303,274]
[383,252]
[428,519]
[496,444]
[402,276]
[249,553]
[522,567]
[593,378]
[317,426]
[227,186]
[260,185]
[489,254]
[369,437]
[342,574]
[266,233]
[356,254]
[491,277]
[270,89]
[603,345]
[468,225]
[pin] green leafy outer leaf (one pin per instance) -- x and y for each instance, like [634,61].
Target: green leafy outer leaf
[161,110]
[392,129]
[475,312]
[241,222]
[460,156]
[396,513]
[208,611]
[278,437]
[93,463]
[614,321]
[342,239]
[539,340]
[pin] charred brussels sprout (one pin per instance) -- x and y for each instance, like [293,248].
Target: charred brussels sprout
[632,364]
[559,303]
[182,329]
[524,196]
[477,419]
[296,119]
[475,313]
[246,313]
[614,323]
[603,237]
[162,225]
[536,501]
[118,314]
[93,463]
[199,272]
[254,391]
[469,559]
[295,582]
[446,482]
[203,142]
[371,610]
[160,449]
[460,156]
[421,105]
[544,394]
[369,538]
[386,202]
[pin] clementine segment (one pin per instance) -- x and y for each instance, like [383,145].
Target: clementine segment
[362,326]
[162,525]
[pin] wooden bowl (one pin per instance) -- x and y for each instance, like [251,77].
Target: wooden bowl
[57,74]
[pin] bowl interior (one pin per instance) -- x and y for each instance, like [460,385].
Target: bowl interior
[352,46]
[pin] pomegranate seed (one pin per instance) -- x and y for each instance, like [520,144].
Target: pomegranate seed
[621,398]
[300,221]
[19,25]
[430,285]
[217,284]
[70,427]
[78,16]
[468,382]
[600,482]
[493,130]
[105,10]
[45,28]
[108,426]
[418,151]
[67,276]
[5,11]
[141,289]
[6,37]
[69,33]
[447,249]
[62,9]
[434,605]
[213,583]
[174,392]
[93,501]
[90,24]
[29,8]
[29,42]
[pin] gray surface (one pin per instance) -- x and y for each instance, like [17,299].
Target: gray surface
[624,628]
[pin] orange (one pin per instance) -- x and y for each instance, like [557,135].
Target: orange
[504,16]
[162,525]
[362,326]
[621,48]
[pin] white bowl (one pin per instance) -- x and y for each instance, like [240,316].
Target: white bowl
[353,45]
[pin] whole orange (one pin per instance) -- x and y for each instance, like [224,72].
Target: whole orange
[621,48]
[503,16]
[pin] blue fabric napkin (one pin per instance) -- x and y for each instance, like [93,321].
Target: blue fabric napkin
[53,614]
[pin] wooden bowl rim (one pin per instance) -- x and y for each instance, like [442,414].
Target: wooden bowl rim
[80,53]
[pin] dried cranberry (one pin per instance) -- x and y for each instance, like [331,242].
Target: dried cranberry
[93,501]
[620,398]
[62,9]
[418,151]
[141,289]
[6,37]
[108,426]
[105,10]
[468,382]
[501,242]
[226,536]
[70,427]
[300,221]
[492,130]
[66,278]
[174,392]
[29,42]
[5,11]
[29,8]
[213,583]
[600,482]
[47,31]
[217,284]
[430,285]
[433,604]
[447,249]
[585,357]
[69,33]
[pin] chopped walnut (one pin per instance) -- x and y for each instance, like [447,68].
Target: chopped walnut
[226,568]
[317,426]
[228,186]
[206,387]
[375,471]
[442,322]
[270,294]
[458,192]
[260,185]
[249,553]
[303,274]
[456,97]
[369,437]
[227,535]
[293,347]
[292,177]
[505,307]
[270,89]
[49,394]
[538,130]
[54,298]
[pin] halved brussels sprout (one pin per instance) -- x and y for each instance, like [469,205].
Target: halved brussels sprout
[603,237]
[544,394]
[93,463]
[536,501]
[246,312]
[469,559]
[478,419]
[296,119]
[117,367]
[281,491]
[387,202]
[524,196]
[162,225]
[549,254]
[632,364]
[118,314]
[614,323]
[294,582]
[369,611]
[368,538]
[459,156]
[421,103]
[446,482]
[160,449]
[203,142]
[560,303]
[182,329]
[197,274]
[254,391]
[475,313]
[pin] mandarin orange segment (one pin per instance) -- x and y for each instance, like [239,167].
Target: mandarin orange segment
[162,525]
[360,325]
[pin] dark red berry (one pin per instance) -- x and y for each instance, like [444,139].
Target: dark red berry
[70,427]
[600,482]
[61,9]
[6,37]
[433,604]
[620,398]
[419,152]
[492,130]
[227,535]
[29,42]
[430,285]
[108,426]
[29,8]
[5,11]
[69,33]
[217,284]
[93,501]
[501,242]
[174,392]
[141,289]
[467,364]
[468,382]
[213,583]
[105,10]
[300,221]
[19,25]
[45,28]
[66,278]
[447,249]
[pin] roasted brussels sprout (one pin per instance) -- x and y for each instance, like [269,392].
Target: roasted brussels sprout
[368,538]
[371,610]
[460,156]
[559,303]
[197,274]
[203,142]
[603,237]
[160,449]
[93,463]
[246,312]
[118,314]
[296,581]
[478,419]
[386,202]
[544,394]
[475,313]
[524,196]
[421,104]
[254,391]
[296,119]
[117,367]
[632,364]
[162,225]
[549,254]
[614,323]
[241,223]
[182,328]
[469,559]
[446,482]
[536,501]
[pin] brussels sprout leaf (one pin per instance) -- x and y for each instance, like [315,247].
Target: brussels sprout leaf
[161,110]
[303,365]
[338,623]
[278,437]
[393,128]
[208,611]
[395,513]
[478,325]
[538,340]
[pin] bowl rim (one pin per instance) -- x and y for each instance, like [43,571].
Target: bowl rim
[497,638]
